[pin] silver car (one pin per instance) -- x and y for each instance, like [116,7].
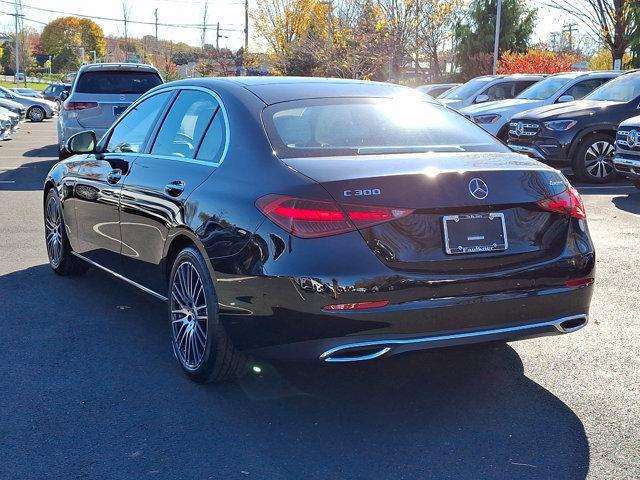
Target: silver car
[37,108]
[99,94]
[27,92]
[14,107]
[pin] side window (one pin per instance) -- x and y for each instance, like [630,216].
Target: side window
[522,85]
[584,88]
[130,134]
[500,91]
[185,124]
[214,140]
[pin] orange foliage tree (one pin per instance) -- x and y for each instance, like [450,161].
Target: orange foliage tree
[536,61]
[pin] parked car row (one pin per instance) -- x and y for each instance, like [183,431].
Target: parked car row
[566,119]
[11,115]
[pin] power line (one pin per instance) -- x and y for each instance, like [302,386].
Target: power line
[110,19]
[26,19]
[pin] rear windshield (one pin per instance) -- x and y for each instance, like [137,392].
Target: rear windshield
[117,81]
[344,126]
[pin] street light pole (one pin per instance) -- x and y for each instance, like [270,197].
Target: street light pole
[496,43]
[16,16]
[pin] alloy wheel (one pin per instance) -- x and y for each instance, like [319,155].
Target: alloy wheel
[189,315]
[598,160]
[53,230]
[36,114]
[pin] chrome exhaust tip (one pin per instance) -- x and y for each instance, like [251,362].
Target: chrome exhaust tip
[571,324]
[354,353]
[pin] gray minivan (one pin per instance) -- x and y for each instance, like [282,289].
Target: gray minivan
[100,93]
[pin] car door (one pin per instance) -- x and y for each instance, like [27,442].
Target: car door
[99,183]
[184,153]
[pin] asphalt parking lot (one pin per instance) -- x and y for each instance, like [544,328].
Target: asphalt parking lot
[90,389]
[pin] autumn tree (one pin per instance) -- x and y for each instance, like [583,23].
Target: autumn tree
[536,61]
[474,34]
[64,35]
[285,26]
[435,22]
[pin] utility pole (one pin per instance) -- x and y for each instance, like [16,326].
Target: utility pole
[246,25]
[568,29]
[496,43]
[82,56]
[155,13]
[125,13]
[218,36]
[17,16]
[203,37]
[93,52]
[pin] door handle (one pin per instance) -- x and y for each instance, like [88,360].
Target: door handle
[114,176]
[174,188]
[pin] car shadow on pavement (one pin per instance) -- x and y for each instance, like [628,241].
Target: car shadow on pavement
[91,389]
[29,176]
[629,203]
[46,151]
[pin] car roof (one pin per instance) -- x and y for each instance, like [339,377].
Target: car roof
[281,89]
[116,66]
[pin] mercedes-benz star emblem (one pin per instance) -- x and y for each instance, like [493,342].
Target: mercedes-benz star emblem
[478,188]
[632,138]
[519,128]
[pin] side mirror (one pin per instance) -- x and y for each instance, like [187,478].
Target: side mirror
[64,95]
[82,142]
[482,98]
[566,98]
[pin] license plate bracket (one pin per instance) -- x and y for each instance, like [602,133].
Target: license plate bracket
[475,233]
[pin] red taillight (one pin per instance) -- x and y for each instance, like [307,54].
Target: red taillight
[320,218]
[568,203]
[356,306]
[79,105]
[579,283]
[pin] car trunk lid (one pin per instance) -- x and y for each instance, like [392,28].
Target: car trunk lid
[469,186]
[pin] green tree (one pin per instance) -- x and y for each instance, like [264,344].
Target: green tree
[474,34]
[6,60]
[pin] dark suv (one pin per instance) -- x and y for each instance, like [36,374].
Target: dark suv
[627,160]
[580,133]
[53,91]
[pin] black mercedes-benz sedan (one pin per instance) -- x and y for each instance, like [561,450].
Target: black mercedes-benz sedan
[581,133]
[319,219]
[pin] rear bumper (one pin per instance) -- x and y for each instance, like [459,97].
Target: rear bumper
[368,350]
[444,322]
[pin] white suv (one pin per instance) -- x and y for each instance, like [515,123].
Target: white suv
[494,117]
[100,93]
[488,88]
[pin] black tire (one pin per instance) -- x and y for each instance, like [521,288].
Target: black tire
[218,361]
[593,161]
[61,259]
[36,114]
